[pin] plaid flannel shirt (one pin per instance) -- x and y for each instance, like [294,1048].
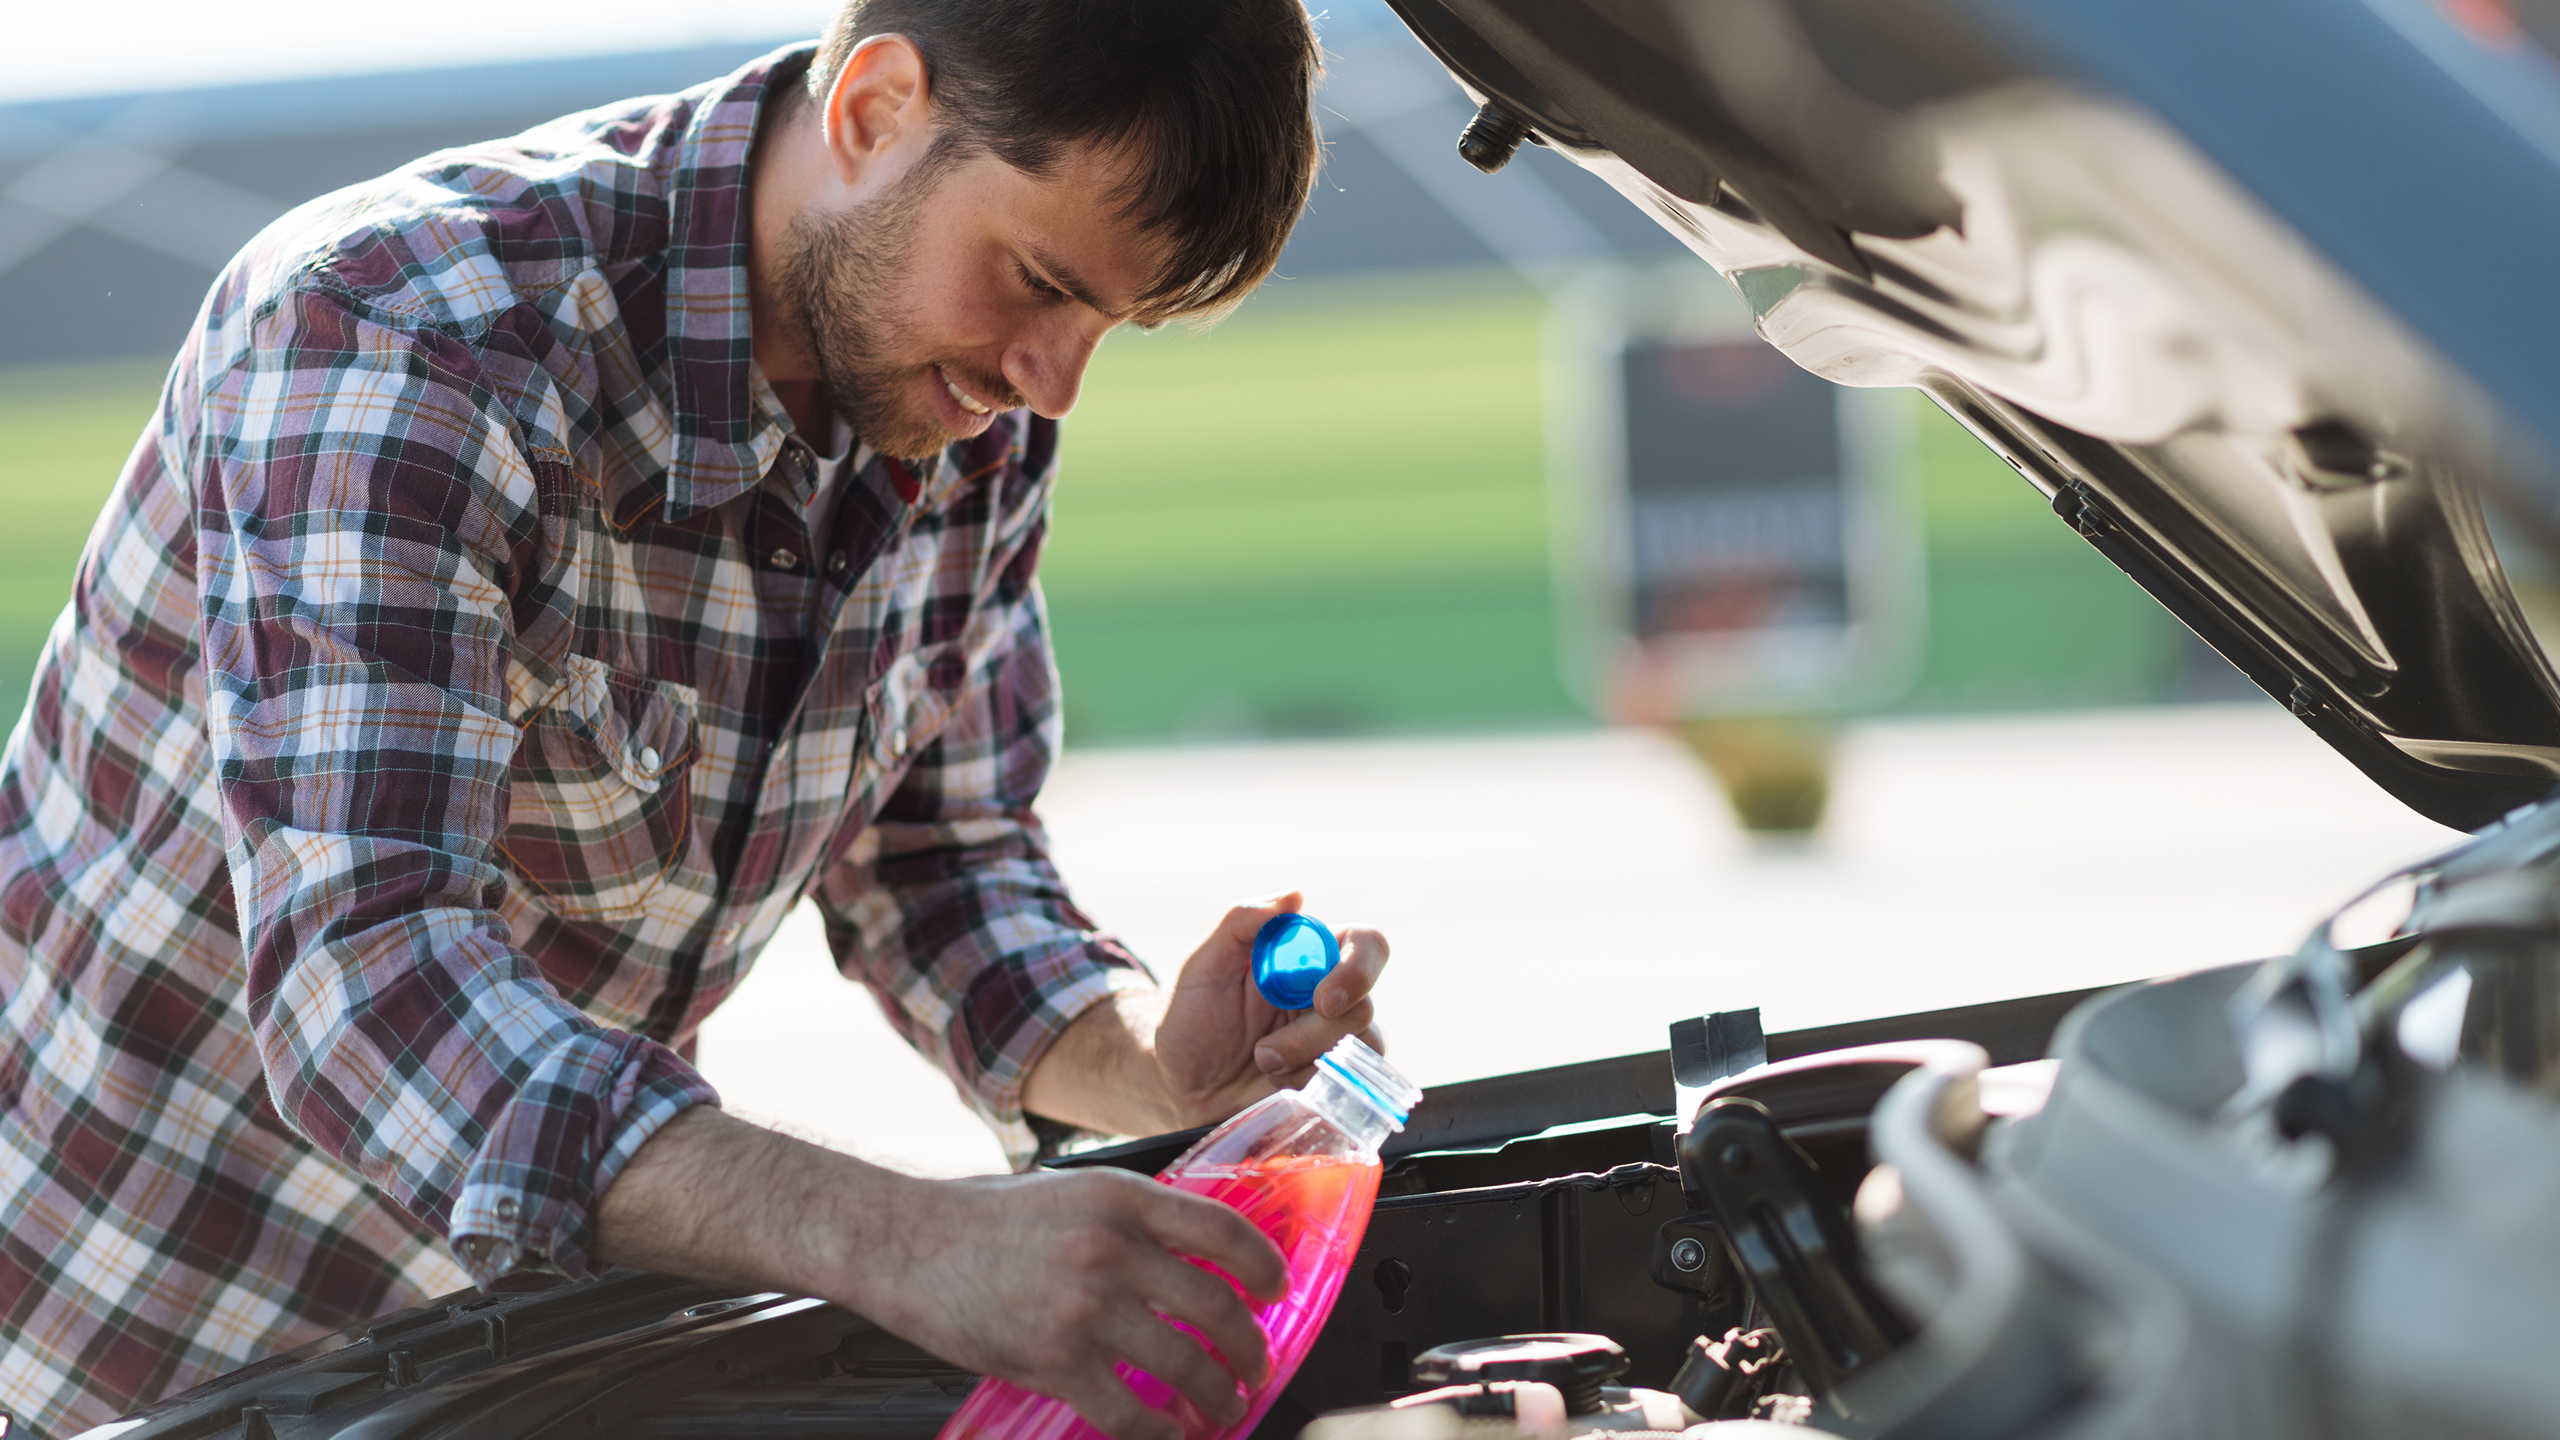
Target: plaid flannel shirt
[451,702]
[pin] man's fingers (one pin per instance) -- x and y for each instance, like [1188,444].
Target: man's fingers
[1225,960]
[1100,1397]
[1180,1361]
[1194,1225]
[1364,958]
[1247,919]
[1297,1044]
[1203,1300]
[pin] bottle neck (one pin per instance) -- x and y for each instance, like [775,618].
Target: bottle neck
[1363,1095]
[1354,1112]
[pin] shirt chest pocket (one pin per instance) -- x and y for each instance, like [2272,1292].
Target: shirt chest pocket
[908,708]
[600,807]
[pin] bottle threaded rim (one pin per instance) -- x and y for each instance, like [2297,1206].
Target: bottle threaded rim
[1369,1077]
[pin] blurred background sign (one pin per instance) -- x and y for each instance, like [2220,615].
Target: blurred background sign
[1738,544]
[1735,536]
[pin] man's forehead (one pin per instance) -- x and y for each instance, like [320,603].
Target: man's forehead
[1069,226]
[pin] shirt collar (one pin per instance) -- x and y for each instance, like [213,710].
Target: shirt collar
[729,424]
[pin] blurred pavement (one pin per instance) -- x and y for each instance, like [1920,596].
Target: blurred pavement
[1562,897]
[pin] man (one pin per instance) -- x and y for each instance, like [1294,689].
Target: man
[546,566]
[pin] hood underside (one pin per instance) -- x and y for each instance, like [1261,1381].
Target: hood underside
[1922,194]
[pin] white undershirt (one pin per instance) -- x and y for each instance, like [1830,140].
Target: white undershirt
[820,513]
[822,491]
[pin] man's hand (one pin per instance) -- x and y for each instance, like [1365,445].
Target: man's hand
[1155,1062]
[1047,1280]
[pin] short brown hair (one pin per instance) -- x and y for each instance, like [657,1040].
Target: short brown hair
[1213,97]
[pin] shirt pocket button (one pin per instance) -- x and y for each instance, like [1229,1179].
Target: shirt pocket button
[649,757]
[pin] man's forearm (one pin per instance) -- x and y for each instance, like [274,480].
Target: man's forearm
[1100,1073]
[713,1197]
[716,1198]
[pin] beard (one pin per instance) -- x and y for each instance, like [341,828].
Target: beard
[841,285]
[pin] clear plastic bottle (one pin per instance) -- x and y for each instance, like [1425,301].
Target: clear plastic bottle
[1302,1165]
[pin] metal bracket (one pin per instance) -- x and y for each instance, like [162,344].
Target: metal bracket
[1789,1239]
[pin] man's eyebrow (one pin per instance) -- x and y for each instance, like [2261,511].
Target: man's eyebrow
[1065,278]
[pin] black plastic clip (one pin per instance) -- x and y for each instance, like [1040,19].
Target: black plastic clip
[2077,504]
[1710,1048]
[1723,1379]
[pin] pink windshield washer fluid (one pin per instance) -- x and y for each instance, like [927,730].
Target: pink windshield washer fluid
[1302,1165]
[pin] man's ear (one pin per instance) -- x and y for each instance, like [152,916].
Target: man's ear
[881,103]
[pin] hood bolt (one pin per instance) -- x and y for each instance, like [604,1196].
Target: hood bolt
[1493,137]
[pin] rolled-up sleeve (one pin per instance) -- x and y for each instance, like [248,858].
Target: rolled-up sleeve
[360,521]
[946,904]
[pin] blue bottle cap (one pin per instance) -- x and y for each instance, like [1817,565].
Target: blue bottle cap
[1290,955]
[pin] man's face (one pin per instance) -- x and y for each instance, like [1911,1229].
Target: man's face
[960,291]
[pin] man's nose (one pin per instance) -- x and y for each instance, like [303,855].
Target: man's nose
[1047,369]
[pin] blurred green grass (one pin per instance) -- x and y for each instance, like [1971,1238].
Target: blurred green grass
[64,434]
[1327,515]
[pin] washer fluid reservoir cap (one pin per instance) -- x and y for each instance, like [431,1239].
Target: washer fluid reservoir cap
[1577,1365]
[1290,956]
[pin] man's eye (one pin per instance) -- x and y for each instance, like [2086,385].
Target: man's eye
[1038,286]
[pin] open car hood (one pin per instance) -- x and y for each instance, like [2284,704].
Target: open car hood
[2258,296]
